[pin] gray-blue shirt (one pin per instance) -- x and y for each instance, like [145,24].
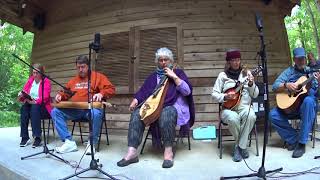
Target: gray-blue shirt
[291,75]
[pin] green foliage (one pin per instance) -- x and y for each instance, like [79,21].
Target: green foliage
[300,27]
[13,73]
[9,119]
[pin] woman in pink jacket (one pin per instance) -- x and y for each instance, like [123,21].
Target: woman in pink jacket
[31,109]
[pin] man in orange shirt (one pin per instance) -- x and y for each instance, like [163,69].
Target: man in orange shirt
[101,88]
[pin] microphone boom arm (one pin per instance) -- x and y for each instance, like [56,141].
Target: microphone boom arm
[65,89]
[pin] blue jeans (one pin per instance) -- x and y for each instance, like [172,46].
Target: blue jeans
[307,113]
[60,117]
[35,113]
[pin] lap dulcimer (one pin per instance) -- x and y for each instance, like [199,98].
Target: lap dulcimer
[78,105]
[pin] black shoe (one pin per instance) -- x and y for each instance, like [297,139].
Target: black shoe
[124,162]
[244,153]
[236,154]
[299,150]
[37,142]
[24,142]
[291,147]
[167,164]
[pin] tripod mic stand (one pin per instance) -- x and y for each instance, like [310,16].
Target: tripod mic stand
[94,162]
[261,172]
[45,148]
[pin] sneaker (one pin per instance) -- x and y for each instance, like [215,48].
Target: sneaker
[244,153]
[236,154]
[24,142]
[88,149]
[36,142]
[68,146]
[299,150]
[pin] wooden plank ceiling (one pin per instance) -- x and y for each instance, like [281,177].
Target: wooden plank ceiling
[24,12]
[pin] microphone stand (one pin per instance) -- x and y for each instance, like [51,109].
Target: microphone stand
[94,162]
[45,148]
[261,172]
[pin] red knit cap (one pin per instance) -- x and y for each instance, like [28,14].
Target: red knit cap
[233,54]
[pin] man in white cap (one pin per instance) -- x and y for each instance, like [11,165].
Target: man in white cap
[306,111]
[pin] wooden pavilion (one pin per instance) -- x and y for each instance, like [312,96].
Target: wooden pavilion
[198,31]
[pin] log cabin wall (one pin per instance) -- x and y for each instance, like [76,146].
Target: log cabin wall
[202,31]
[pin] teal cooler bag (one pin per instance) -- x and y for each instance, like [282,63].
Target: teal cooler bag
[205,132]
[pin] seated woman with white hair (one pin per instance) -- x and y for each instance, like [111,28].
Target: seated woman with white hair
[178,108]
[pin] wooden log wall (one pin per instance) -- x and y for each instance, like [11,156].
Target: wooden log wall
[209,28]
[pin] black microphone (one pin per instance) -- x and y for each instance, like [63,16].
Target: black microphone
[258,21]
[97,39]
[96,42]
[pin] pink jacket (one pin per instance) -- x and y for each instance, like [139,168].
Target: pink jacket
[47,90]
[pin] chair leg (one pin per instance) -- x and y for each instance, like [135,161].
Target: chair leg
[81,132]
[48,133]
[54,134]
[250,138]
[145,140]
[44,130]
[74,124]
[313,137]
[219,136]
[107,135]
[189,141]
[220,141]
[99,140]
[256,136]
[270,128]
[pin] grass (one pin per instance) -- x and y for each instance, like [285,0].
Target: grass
[9,119]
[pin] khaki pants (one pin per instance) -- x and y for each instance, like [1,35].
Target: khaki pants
[240,122]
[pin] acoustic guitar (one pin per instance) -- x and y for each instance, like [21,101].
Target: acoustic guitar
[151,108]
[237,90]
[291,101]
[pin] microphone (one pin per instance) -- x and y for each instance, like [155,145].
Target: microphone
[96,43]
[258,21]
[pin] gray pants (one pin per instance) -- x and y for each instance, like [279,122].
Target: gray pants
[167,123]
[240,123]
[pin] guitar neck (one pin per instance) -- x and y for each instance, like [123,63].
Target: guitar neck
[254,73]
[307,81]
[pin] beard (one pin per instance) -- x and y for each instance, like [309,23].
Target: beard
[82,74]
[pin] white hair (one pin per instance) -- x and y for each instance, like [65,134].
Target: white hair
[164,52]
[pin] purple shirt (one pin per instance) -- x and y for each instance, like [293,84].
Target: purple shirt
[181,104]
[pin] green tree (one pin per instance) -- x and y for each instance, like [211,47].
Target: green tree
[302,27]
[13,73]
